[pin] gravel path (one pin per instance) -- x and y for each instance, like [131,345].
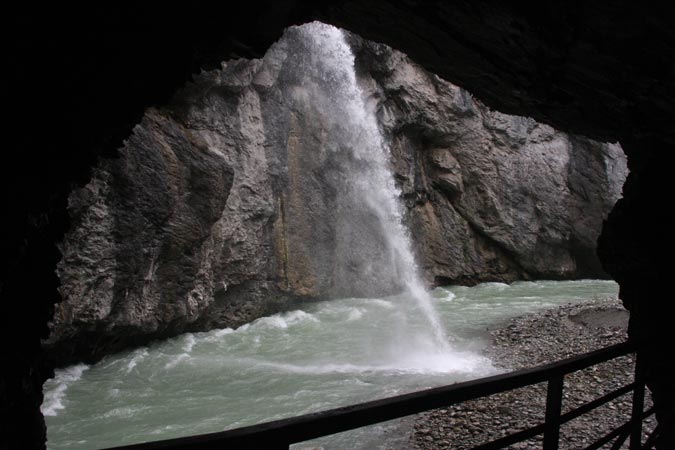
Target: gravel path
[532,340]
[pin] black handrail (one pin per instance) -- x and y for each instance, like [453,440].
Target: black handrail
[570,415]
[281,433]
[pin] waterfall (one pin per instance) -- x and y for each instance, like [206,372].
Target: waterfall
[371,213]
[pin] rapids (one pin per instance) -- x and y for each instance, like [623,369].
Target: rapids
[318,356]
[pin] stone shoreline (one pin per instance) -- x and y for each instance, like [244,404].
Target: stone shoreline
[529,341]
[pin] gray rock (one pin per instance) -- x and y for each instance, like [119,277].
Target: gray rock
[490,196]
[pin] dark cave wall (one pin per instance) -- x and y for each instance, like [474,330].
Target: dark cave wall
[636,247]
[75,81]
[603,69]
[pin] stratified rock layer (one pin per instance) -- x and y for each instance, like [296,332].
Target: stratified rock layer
[225,204]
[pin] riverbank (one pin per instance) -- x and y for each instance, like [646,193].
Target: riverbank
[528,341]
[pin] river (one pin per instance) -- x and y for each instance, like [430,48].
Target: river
[317,356]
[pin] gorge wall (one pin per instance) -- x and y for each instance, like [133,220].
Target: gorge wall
[222,205]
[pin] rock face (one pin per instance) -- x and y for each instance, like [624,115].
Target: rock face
[491,196]
[228,202]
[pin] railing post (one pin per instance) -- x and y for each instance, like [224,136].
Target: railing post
[638,404]
[553,406]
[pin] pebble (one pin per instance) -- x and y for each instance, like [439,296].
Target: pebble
[532,340]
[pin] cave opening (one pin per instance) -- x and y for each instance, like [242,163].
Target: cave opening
[576,86]
[234,199]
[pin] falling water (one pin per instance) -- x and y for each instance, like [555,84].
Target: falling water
[330,78]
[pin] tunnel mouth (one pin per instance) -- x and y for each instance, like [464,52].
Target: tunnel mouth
[633,248]
[432,167]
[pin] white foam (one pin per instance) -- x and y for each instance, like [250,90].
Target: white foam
[496,285]
[121,412]
[379,302]
[448,297]
[55,389]
[422,363]
[275,321]
[223,332]
[354,314]
[189,342]
[455,362]
[318,369]
[176,360]
[139,355]
[284,320]
[216,335]
[164,429]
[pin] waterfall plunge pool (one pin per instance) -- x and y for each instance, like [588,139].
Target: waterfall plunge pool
[323,355]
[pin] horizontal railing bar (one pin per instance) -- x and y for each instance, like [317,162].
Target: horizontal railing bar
[539,429]
[571,415]
[310,426]
[583,409]
[612,434]
[518,436]
[620,440]
[609,436]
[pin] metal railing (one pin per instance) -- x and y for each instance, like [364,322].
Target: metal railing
[282,433]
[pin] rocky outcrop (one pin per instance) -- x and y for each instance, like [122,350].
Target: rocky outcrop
[491,196]
[227,203]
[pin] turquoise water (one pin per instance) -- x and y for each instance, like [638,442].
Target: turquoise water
[321,356]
